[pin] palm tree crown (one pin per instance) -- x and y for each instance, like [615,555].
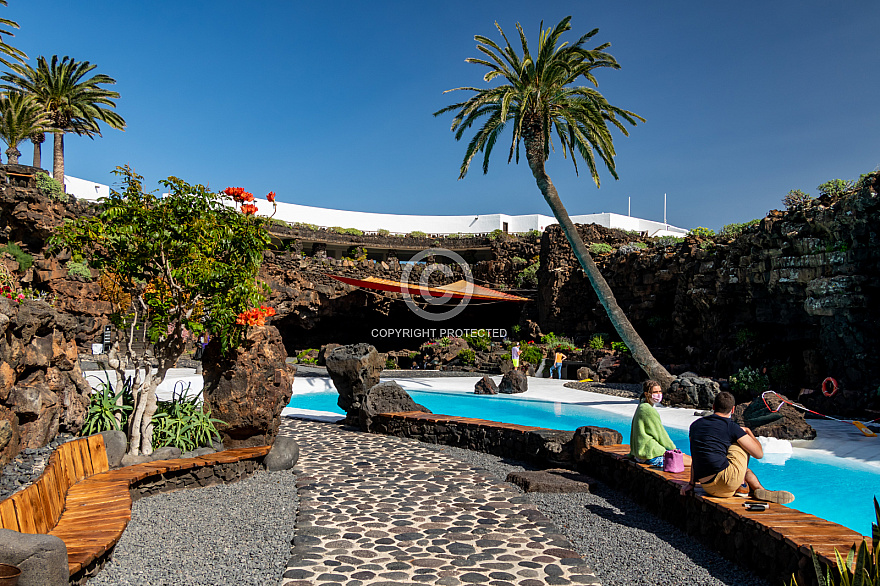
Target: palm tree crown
[20,117]
[6,49]
[539,98]
[73,101]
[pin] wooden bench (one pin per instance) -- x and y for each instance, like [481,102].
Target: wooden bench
[80,500]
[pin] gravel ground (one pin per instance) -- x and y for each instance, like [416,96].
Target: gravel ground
[234,534]
[625,545]
[27,466]
[626,390]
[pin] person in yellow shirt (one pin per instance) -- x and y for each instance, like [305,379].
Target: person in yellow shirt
[557,364]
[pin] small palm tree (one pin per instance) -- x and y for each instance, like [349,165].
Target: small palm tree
[537,99]
[6,49]
[20,117]
[74,102]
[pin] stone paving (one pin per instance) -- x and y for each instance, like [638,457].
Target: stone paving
[382,510]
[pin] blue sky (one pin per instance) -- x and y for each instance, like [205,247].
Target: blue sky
[330,103]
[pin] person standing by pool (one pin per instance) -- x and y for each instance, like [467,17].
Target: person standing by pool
[648,438]
[720,451]
[514,355]
[557,364]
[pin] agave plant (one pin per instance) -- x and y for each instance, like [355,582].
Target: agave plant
[865,572]
[107,409]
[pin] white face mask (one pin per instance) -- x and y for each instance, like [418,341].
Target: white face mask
[657,397]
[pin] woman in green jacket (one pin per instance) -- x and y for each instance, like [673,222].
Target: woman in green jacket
[648,438]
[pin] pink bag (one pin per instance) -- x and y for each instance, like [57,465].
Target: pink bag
[673,461]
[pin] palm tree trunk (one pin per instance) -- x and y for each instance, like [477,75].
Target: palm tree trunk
[640,351]
[58,158]
[38,154]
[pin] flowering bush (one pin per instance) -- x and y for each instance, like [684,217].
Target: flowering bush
[10,293]
[255,316]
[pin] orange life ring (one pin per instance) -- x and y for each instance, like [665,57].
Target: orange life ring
[833,387]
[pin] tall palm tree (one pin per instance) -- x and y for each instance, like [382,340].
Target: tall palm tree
[74,102]
[6,49]
[20,117]
[538,98]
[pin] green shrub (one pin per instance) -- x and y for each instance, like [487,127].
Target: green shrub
[78,268]
[516,330]
[390,364]
[495,234]
[479,340]
[467,356]
[701,232]
[518,260]
[534,234]
[532,354]
[281,223]
[305,226]
[305,357]
[24,260]
[862,567]
[417,234]
[600,248]
[528,277]
[620,347]
[597,342]
[835,187]
[782,375]
[184,423]
[353,232]
[749,382]
[665,241]
[737,229]
[103,409]
[51,188]
[383,232]
[796,198]
[745,336]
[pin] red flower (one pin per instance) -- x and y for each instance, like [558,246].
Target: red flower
[248,209]
[271,197]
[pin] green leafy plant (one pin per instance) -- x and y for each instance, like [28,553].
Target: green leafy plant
[597,342]
[390,364]
[528,277]
[707,245]
[749,382]
[796,198]
[702,232]
[467,356]
[495,234]
[737,229]
[24,260]
[383,232]
[184,423]
[835,187]
[532,354]
[666,241]
[50,187]
[516,330]
[478,340]
[600,248]
[745,336]
[518,260]
[782,375]
[107,409]
[866,569]
[417,234]
[619,347]
[305,226]
[78,268]
[307,356]
[183,263]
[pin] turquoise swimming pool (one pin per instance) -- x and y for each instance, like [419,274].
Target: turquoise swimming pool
[813,483]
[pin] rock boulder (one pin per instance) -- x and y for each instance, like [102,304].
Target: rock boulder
[691,390]
[385,397]
[786,423]
[589,435]
[513,382]
[248,388]
[354,370]
[486,386]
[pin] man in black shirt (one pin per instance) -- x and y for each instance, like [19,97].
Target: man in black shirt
[720,451]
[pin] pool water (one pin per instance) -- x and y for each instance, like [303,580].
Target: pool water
[838,490]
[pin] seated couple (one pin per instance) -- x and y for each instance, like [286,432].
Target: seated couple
[720,448]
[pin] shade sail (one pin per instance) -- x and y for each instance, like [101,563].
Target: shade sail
[456,290]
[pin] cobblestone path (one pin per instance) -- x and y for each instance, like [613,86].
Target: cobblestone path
[381,510]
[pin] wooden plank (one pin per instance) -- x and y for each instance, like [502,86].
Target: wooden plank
[76,460]
[44,498]
[99,453]
[7,515]
[41,522]
[65,456]
[59,491]
[83,446]
[24,513]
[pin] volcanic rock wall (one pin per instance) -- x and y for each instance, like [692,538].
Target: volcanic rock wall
[799,289]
